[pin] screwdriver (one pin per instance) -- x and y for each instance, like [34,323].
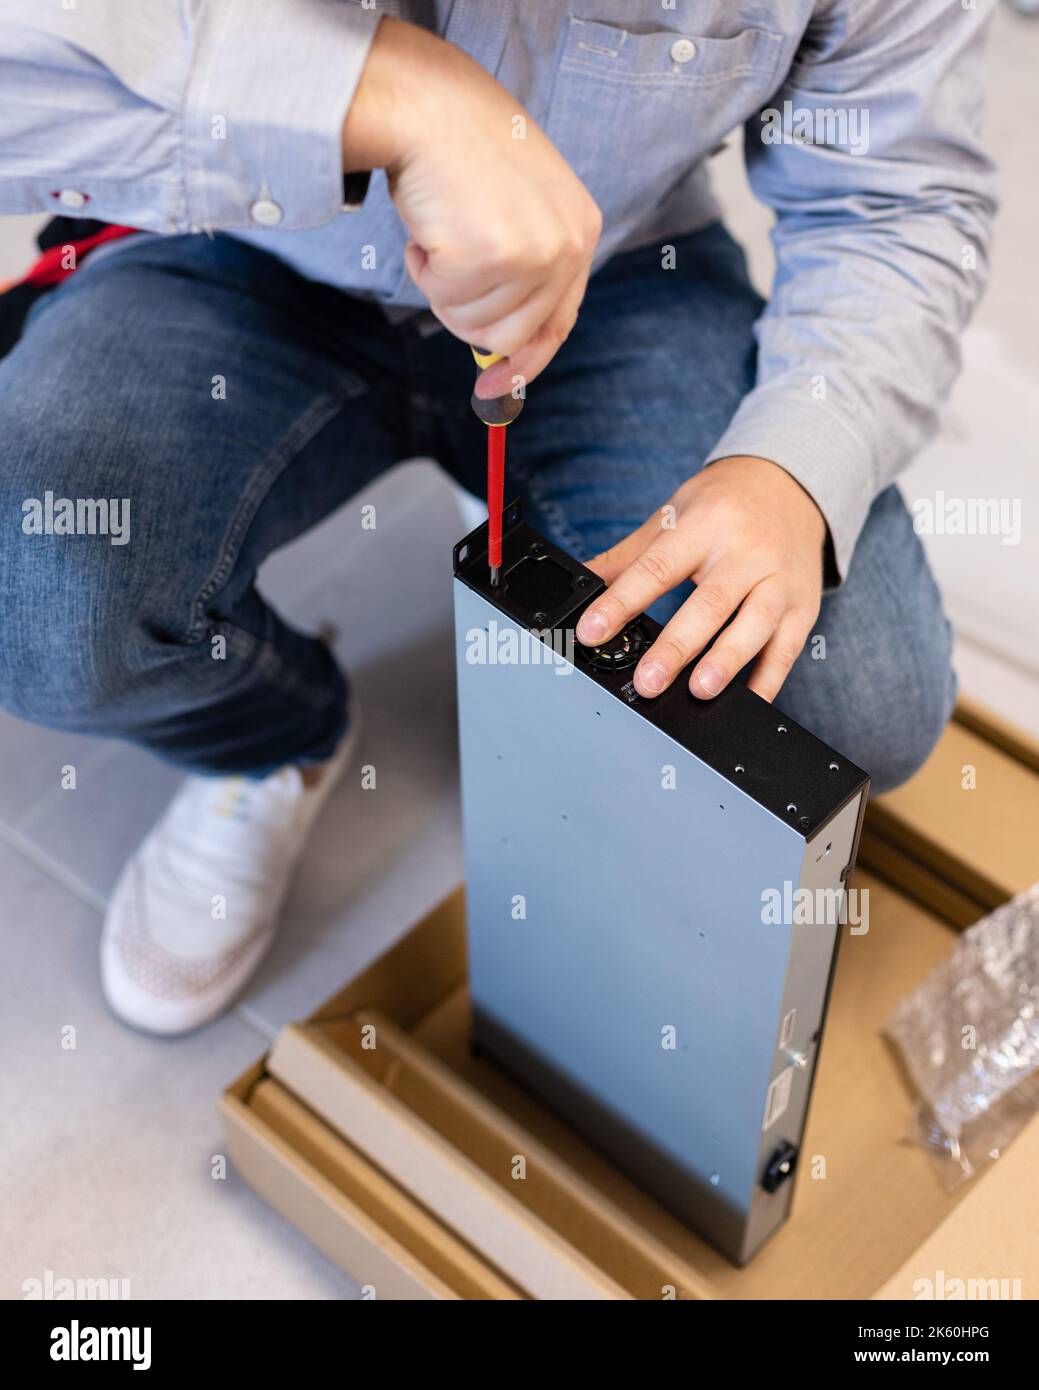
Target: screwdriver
[495,413]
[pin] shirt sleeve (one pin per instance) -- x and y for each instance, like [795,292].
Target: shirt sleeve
[869,156]
[179,115]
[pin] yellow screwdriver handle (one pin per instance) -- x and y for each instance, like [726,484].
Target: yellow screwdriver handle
[504,409]
[483,358]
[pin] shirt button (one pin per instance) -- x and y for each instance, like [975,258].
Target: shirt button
[683,50]
[266,211]
[72,198]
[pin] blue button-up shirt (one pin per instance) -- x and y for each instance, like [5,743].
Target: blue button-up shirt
[861,120]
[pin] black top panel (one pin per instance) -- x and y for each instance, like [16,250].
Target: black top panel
[750,742]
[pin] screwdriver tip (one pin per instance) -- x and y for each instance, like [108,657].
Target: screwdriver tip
[495,572]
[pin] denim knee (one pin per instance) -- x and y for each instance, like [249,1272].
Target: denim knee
[888,728]
[875,680]
[893,745]
[68,634]
[68,629]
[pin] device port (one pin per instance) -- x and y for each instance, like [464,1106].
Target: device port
[539,585]
[620,652]
[779,1167]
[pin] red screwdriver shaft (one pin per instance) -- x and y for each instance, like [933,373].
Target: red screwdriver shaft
[495,413]
[495,496]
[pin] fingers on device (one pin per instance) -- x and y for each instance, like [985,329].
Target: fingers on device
[655,890]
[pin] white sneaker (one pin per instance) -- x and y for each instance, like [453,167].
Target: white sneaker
[196,907]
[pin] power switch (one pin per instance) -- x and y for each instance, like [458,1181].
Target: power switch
[779,1167]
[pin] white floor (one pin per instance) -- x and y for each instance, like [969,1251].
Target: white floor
[109,1145]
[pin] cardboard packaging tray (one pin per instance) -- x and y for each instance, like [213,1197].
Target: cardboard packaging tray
[426,1173]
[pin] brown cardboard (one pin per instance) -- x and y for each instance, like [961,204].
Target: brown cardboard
[335,1223]
[895,864]
[548,1188]
[389,1206]
[860,1112]
[1022,746]
[428,1130]
[425,964]
[989,1239]
[306,1061]
[963,834]
[859,1115]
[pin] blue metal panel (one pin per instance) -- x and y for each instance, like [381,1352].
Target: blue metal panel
[615,893]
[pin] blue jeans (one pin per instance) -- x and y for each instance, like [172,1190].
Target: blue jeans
[108,395]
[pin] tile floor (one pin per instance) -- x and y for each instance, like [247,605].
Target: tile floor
[108,1145]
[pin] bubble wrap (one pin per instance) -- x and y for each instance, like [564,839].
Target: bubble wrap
[990,984]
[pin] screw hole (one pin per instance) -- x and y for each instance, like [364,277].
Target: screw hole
[739,768]
[791,807]
[835,767]
[781,729]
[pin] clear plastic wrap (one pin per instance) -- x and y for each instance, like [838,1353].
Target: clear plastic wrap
[969,1035]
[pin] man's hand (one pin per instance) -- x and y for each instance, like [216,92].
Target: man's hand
[750,538]
[502,230]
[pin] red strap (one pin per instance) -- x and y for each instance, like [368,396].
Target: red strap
[48,270]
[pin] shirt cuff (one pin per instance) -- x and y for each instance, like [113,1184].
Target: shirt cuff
[815,446]
[269,90]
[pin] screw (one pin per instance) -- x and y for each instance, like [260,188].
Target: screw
[540,619]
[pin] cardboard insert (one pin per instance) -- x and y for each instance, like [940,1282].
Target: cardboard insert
[462,1272]
[528,1211]
[865,1199]
[383,1155]
[962,836]
[339,1210]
